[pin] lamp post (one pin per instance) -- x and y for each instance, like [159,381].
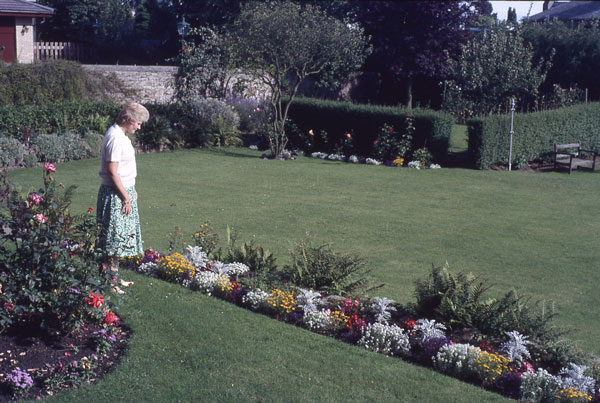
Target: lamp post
[182,28]
[512,114]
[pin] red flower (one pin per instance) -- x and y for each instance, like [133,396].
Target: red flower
[110,318]
[391,128]
[409,324]
[95,300]
[376,141]
[485,347]
[90,209]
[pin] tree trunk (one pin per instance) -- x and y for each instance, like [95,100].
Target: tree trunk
[409,94]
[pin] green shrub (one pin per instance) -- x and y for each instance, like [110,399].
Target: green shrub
[11,152]
[49,147]
[534,134]
[390,144]
[432,129]
[322,269]
[223,121]
[52,81]
[252,255]
[30,160]
[48,263]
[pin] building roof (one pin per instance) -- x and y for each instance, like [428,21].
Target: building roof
[570,10]
[24,8]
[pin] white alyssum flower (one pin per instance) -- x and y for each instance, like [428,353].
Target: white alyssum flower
[516,347]
[353,159]
[318,320]
[539,386]
[434,166]
[382,309]
[372,161]
[457,360]
[196,256]
[427,329]
[386,339]
[253,147]
[237,269]
[415,164]
[148,268]
[204,281]
[255,298]
[306,300]
[574,377]
[335,157]
[318,154]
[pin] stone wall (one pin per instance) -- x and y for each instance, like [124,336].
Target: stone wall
[148,84]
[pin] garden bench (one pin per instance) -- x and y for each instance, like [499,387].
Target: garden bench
[569,155]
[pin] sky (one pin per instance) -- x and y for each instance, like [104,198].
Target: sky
[521,7]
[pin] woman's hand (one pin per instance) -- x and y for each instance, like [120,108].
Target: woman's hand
[126,207]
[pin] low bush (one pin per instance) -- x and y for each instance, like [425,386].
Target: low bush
[534,134]
[431,129]
[12,152]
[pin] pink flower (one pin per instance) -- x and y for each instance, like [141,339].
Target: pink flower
[348,136]
[527,367]
[90,209]
[35,198]
[49,167]
[41,218]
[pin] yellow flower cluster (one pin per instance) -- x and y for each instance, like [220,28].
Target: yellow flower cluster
[338,317]
[398,162]
[173,266]
[224,284]
[491,365]
[573,395]
[282,301]
[132,260]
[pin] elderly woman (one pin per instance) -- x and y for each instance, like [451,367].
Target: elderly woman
[117,210]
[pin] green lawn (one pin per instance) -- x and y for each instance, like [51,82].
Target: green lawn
[537,233]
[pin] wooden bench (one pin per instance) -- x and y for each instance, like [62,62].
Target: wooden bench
[570,155]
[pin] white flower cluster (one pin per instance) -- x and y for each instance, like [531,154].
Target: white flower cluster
[318,320]
[415,164]
[318,154]
[371,161]
[382,309]
[386,339]
[306,300]
[219,268]
[253,147]
[204,281]
[539,386]
[515,348]
[335,157]
[574,377]
[254,298]
[353,159]
[237,269]
[457,360]
[196,256]
[427,329]
[434,166]
[148,268]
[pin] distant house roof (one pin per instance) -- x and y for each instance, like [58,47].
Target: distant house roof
[570,10]
[23,8]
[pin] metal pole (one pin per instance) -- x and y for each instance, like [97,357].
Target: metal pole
[512,114]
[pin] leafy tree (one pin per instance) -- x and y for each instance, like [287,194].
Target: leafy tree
[411,38]
[491,69]
[577,48]
[283,43]
[511,16]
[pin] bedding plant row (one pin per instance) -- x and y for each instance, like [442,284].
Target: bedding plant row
[58,328]
[504,345]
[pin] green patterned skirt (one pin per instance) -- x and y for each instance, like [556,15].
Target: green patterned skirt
[120,234]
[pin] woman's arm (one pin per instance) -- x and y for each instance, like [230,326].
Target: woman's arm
[113,174]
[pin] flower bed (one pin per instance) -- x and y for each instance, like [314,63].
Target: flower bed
[380,325]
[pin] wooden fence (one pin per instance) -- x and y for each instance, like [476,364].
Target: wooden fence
[60,50]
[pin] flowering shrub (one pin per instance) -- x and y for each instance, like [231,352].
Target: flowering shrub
[385,339]
[458,360]
[48,261]
[175,267]
[391,145]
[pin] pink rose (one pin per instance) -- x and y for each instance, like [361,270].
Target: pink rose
[40,218]
[35,198]
[348,136]
[49,167]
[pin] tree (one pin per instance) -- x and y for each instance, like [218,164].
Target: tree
[491,69]
[283,43]
[410,38]
[511,16]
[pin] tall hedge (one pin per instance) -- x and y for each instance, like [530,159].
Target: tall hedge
[534,134]
[432,129]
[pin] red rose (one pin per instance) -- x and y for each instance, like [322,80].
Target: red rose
[110,318]
[90,209]
[390,128]
[95,300]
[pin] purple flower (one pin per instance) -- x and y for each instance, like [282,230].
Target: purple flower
[75,291]
[19,379]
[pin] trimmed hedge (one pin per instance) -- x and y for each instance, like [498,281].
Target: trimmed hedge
[534,134]
[432,129]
